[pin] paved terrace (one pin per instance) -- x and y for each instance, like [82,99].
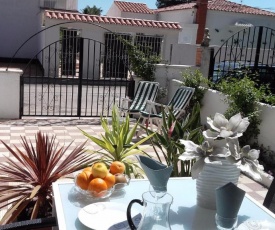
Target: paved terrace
[67,130]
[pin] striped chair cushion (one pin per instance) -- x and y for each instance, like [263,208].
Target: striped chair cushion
[145,91]
[181,99]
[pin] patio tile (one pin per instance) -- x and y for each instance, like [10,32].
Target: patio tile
[262,193]
[256,196]
[15,142]
[4,128]
[245,188]
[31,131]
[255,186]
[2,134]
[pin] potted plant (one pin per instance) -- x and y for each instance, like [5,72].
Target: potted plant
[116,143]
[26,178]
[220,158]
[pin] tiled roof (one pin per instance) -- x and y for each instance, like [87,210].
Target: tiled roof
[221,5]
[110,20]
[184,6]
[133,7]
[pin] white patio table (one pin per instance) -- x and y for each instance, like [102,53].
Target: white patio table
[184,213]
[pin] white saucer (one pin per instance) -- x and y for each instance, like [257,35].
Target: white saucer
[256,225]
[106,215]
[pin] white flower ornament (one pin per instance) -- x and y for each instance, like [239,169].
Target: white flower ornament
[232,128]
[246,159]
[221,141]
[204,154]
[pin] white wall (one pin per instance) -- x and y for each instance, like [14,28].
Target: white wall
[213,102]
[113,11]
[10,93]
[18,21]
[170,37]
[267,127]
[60,4]
[166,73]
[188,33]
[224,23]
[183,54]
[182,16]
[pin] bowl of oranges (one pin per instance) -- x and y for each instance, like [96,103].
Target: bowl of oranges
[100,182]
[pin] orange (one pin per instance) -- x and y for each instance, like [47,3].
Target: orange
[110,180]
[83,180]
[87,169]
[89,175]
[97,185]
[117,167]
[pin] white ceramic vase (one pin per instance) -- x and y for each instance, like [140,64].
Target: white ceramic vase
[211,177]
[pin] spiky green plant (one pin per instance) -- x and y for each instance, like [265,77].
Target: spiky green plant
[116,143]
[166,144]
[27,177]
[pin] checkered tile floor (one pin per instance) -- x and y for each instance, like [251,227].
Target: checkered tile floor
[67,130]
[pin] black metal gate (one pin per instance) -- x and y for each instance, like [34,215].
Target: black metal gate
[251,49]
[66,78]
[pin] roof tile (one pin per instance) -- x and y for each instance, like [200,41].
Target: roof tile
[220,5]
[133,7]
[66,16]
[71,16]
[183,6]
[223,5]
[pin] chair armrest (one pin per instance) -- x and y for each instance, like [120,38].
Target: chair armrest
[126,99]
[124,103]
[153,103]
[151,106]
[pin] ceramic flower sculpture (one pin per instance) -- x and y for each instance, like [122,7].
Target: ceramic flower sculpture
[221,127]
[246,159]
[206,153]
[221,142]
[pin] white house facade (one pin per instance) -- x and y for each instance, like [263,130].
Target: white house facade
[19,20]
[181,27]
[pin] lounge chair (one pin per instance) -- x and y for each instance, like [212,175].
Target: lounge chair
[178,103]
[146,90]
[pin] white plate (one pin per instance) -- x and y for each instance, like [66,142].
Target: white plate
[106,215]
[256,225]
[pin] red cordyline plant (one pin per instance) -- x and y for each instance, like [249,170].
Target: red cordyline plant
[27,180]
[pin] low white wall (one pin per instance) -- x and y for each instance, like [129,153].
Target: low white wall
[267,127]
[166,73]
[213,102]
[10,93]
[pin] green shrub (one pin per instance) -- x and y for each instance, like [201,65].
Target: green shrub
[195,79]
[243,96]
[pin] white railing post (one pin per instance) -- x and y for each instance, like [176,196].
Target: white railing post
[10,93]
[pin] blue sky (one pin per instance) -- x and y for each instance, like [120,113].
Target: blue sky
[105,4]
